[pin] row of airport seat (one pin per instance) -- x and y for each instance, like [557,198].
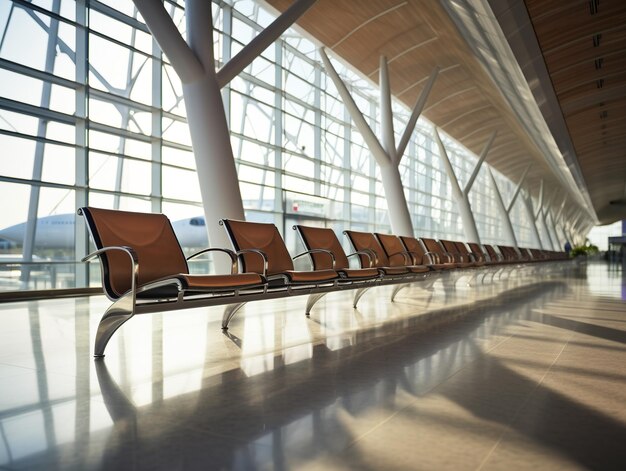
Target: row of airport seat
[144,269]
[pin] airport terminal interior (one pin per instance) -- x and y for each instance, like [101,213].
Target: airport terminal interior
[420,211]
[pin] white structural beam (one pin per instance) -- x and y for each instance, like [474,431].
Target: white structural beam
[194,62]
[518,189]
[386,113]
[483,156]
[504,214]
[386,155]
[528,205]
[540,216]
[417,110]
[559,213]
[557,237]
[540,203]
[254,48]
[359,120]
[180,55]
[545,210]
[462,201]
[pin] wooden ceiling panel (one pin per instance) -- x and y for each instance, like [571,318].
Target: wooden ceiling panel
[559,25]
[416,36]
[463,123]
[610,43]
[584,48]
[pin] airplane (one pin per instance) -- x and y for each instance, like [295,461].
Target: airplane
[57,233]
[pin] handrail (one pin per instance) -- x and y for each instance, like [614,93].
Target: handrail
[258,252]
[310,251]
[373,258]
[134,260]
[234,268]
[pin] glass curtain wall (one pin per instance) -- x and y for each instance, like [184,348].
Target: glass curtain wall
[92,113]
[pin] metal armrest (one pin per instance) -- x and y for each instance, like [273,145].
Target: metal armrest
[134,260]
[368,253]
[433,260]
[328,252]
[449,256]
[405,255]
[234,268]
[418,259]
[260,253]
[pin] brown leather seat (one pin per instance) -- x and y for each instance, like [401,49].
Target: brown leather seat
[323,238]
[398,255]
[493,255]
[421,256]
[159,256]
[271,258]
[480,255]
[510,254]
[462,260]
[366,242]
[538,255]
[444,258]
[468,255]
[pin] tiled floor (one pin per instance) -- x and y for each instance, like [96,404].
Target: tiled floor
[524,373]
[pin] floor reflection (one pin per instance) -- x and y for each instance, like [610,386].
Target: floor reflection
[304,405]
[514,369]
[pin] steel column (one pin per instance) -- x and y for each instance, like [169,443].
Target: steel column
[463,205]
[386,155]
[194,62]
[504,214]
[528,205]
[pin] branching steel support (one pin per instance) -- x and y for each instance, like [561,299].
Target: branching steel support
[386,154]
[194,63]
[504,214]
[462,196]
[528,205]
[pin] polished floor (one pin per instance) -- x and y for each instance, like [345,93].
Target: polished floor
[521,372]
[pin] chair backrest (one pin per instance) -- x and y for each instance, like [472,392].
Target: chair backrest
[150,235]
[367,241]
[463,250]
[509,253]
[433,246]
[261,236]
[478,251]
[537,255]
[450,247]
[493,255]
[415,249]
[526,255]
[394,250]
[326,239]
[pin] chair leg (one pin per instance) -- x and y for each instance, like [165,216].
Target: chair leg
[118,313]
[359,294]
[396,289]
[311,300]
[229,312]
[470,281]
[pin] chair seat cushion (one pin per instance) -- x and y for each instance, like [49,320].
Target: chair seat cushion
[198,284]
[418,269]
[441,266]
[209,282]
[311,276]
[355,273]
[394,270]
